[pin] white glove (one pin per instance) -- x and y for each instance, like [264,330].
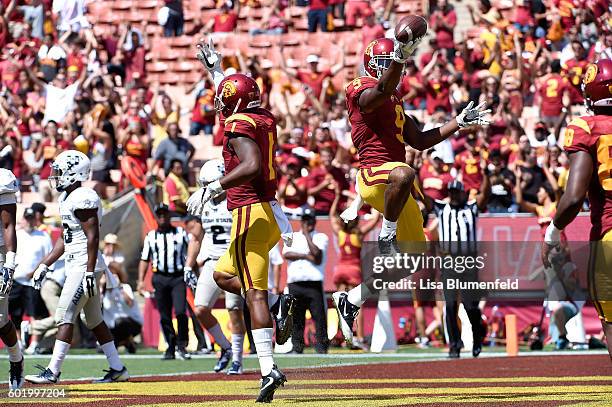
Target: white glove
[39,275]
[211,60]
[190,278]
[89,284]
[195,203]
[402,51]
[471,116]
[552,236]
[6,280]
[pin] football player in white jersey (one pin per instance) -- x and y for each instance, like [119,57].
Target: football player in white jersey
[80,211]
[8,248]
[209,241]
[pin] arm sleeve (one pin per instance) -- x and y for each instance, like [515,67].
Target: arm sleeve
[146,248]
[88,199]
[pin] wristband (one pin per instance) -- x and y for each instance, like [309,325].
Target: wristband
[9,261]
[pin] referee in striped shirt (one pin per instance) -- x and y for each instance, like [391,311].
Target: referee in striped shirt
[457,220]
[166,250]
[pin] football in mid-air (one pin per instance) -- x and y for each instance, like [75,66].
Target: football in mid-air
[410,28]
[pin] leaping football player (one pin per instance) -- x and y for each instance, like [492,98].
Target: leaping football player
[380,132]
[81,211]
[8,248]
[588,142]
[249,146]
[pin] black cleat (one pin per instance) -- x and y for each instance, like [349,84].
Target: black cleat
[224,359]
[269,384]
[283,315]
[183,354]
[113,376]
[454,353]
[16,375]
[387,246]
[347,313]
[169,355]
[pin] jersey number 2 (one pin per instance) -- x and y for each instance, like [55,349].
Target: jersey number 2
[216,231]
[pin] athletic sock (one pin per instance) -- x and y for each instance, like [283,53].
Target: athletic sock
[220,338]
[15,352]
[263,342]
[358,295]
[237,345]
[110,350]
[60,350]
[388,229]
[272,302]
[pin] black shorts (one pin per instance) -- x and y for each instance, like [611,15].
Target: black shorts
[25,300]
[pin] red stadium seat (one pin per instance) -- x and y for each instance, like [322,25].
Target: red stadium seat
[184,66]
[148,4]
[123,4]
[158,67]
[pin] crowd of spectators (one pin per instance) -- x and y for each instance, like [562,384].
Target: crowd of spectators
[65,85]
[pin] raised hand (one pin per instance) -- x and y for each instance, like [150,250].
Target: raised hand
[471,115]
[208,56]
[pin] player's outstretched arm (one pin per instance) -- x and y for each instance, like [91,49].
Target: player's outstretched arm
[422,140]
[580,172]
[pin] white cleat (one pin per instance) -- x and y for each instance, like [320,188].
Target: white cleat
[347,313]
[46,376]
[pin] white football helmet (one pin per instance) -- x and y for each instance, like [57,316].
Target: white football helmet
[69,167]
[8,182]
[211,171]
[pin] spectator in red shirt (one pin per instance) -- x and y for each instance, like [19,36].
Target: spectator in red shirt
[356,8]
[443,21]
[468,163]
[411,88]
[574,69]
[313,78]
[435,176]
[224,22]
[371,30]
[49,148]
[203,112]
[292,188]
[322,183]
[437,88]
[523,18]
[553,90]
[317,15]
[134,54]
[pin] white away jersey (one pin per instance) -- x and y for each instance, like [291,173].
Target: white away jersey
[75,241]
[217,225]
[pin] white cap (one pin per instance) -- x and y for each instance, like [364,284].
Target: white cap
[312,58]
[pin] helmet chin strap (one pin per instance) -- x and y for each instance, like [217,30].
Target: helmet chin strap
[237,104]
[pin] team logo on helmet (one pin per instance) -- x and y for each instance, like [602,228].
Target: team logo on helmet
[229,89]
[368,50]
[590,74]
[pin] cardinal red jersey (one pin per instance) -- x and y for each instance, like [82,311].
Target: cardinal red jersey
[471,171]
[376,135]
[260,126]
[593,134]
[574,70]
[435,183]
[551,92]
[350,248]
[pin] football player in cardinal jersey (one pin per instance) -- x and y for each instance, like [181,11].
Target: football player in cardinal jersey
[80,211]
[8,248]
[588,141]
[380,131]
[249,146]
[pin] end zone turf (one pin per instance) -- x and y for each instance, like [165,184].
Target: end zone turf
[546,380]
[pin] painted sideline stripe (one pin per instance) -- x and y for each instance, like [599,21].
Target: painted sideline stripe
[333,356]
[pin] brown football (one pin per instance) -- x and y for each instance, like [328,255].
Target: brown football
[410,28]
